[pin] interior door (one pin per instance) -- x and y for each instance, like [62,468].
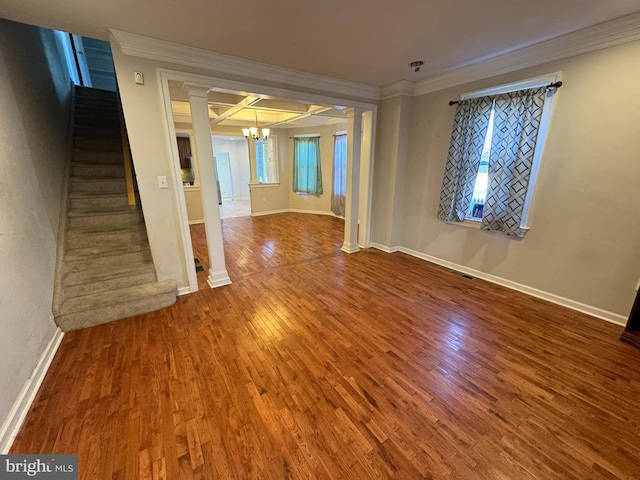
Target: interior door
[223,170]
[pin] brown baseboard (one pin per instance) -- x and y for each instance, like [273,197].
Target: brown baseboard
[631,337]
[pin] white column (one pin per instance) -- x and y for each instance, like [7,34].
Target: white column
[366,178]
[354,144]
[218,275]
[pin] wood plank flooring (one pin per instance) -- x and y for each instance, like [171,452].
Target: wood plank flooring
[334,366]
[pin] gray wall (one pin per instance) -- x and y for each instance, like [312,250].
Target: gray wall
[584,219]
[33,134]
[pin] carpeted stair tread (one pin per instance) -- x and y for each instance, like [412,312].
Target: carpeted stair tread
[159,295]
[89,212]
[102,185]
[87,302]
[89,200]
[86,277]
[98,156]
[112,249]
[132,278]
[86,237]
[87,169]
[107,261]
[102,230]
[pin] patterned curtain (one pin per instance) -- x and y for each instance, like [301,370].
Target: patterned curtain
[339,190]
[467,139]
[515,130]
[307,171]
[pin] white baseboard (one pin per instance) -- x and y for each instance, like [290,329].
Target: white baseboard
[534,292]
[184,291]
[218,279]
[196,222]
[384,248]
[269,212]
[14,420]
[296,210]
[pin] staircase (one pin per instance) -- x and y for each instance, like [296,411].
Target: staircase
[107,272]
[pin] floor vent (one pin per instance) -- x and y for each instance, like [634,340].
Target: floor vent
[460,274]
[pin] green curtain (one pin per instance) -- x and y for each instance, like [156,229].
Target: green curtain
[307,171]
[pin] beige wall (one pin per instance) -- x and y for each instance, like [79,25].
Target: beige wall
[150,149]
[585,222]
[34,119]
[274,198]
[315,203]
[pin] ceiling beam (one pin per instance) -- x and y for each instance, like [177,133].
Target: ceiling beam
[312,111]
[244,103]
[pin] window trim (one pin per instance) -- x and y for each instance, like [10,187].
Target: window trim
[545,121]
[274,139]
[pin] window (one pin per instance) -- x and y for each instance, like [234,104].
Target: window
[339,183]
[495,149]
[266,161]
[307,170]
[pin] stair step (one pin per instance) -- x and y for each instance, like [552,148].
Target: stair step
[89,200]
[104,218]
[97,111]
[110,249]
[98,157]
[87,237]
[122,281]
[82,91]
[89,310]
[102,262]
[106,145]
[97,132]
[87,277]
[90,117]
[99,185]
[79,169]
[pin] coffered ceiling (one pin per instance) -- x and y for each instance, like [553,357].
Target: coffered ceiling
[229,110]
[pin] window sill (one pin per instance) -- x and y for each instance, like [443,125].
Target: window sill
[477,224]
[261,185]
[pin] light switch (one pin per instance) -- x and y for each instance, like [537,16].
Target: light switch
[139,78]
[162,182]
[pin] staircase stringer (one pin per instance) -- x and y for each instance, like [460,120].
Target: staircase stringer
[65,204]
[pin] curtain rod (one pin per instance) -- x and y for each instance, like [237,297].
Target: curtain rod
[555,85]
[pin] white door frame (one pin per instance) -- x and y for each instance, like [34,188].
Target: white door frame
[234,86]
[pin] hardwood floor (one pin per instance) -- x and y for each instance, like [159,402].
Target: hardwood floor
[335,366]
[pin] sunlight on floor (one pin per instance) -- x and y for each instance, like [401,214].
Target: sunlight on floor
[235,208]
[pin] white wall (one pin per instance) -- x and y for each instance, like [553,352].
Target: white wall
[239,161]
[34,117]
[585,221]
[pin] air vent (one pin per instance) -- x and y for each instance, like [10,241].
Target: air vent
[460,274]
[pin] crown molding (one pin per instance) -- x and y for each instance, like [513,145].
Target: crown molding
[160,50]
[403,87]
[603,35]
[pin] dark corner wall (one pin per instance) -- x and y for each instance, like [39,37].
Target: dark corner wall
[34,119]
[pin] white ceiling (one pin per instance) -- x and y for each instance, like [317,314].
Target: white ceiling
[366,41]
[238,111]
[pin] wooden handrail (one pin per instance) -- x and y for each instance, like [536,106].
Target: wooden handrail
[128,162]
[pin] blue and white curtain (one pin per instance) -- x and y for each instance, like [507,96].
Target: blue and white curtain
[515,131]
[463,160]
[339,183]
[516,124]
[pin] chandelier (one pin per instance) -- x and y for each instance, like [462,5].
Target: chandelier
[252,132]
